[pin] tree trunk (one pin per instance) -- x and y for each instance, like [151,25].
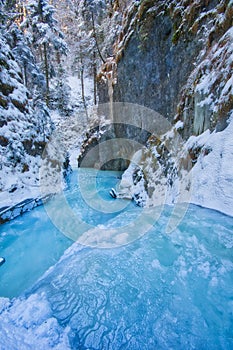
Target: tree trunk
[25,75]
[94,78]
[95,37]
[46,74]
[83,86]
[58,56]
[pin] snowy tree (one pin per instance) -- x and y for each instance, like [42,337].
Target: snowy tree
[60,93]
[42,120]
[84,38]
[24,127]
[46,38]
[91,28]
[33,78]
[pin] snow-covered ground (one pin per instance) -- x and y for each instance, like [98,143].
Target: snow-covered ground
[8,199]
[212,175]
[71,129]
[209,183]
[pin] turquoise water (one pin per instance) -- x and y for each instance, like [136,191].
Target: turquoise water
[161,291]
[31,243]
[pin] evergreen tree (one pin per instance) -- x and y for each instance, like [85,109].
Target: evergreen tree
[42,118]
[46,39]
[33,78]
[60,93]
[22,121]
[84,37]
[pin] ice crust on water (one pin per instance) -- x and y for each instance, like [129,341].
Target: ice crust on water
[159,292]
[27,323]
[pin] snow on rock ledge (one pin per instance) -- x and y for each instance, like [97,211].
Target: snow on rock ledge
[199,171]
[212,175]
[9,213]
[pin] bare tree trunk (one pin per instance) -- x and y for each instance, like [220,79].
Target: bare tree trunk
[95,37]
[25,75]
[40,53]
[46,74]
[83,86]
[94,78]
[58,57]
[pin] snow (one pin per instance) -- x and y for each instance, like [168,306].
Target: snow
[207,101]
[26,184]
[127,188]
[198,141]
[209,183]
[212,175]
[19,169]
[75,84]
[205,82]
[179,125]
[26,323]
[17,186]
[11,199]
[71,130]
[228,88]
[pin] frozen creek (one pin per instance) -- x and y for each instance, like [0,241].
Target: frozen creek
[159,291]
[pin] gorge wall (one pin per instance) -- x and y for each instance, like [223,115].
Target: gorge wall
[163,53]
[175,57]
[152,63]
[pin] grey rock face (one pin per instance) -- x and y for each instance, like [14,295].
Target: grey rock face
[112,145]
[165,61]
[151,73]
[153,69]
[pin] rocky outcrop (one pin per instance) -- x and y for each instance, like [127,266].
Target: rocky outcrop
[114,140]
[176,58]
[102,149]
[207,98]
[152,69]
[162,54]
[9,213]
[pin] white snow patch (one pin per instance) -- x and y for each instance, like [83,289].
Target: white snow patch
[179,125]
[28,323]
[71,130]
[200,140]
[212,175]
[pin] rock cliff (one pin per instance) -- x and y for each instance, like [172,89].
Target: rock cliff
[176,58]
[163,52]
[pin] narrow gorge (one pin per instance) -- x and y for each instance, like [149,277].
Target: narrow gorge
[174,58]
[116,174]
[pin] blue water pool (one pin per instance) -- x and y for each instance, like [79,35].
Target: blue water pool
[32,243]
[159,291]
